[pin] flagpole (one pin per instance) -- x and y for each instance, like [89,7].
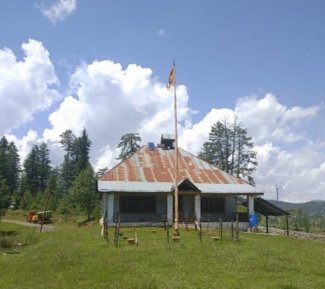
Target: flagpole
[172,82]
[176,156]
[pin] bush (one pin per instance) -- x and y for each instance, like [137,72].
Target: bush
[7,239]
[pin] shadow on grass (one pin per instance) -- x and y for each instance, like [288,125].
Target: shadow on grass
[8,233]
[7,239]
[12,239]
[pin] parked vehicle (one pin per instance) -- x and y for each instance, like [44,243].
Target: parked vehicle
[39,217]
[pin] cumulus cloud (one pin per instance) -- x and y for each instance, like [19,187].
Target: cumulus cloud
[299,174]
[25,144]
[26,86]
[111,101]
[268,120]
[59,10]
[193,136]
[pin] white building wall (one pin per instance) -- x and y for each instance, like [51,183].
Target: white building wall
[170,204]
[104,204]
[250,202]
[197,206]
[110,208]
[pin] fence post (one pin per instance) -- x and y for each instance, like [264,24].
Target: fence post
[117,232]
[167,232]
[237,228]
[232,230]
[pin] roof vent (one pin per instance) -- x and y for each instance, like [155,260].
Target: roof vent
[167,141]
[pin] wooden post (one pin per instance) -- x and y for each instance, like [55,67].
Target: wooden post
[136,236]
[232,230]
[167,233]
[220,228]
[105,227]
[117,232]
[267,224]
[237,227]
[45,209]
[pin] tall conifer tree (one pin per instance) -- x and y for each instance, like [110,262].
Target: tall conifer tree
[231,149]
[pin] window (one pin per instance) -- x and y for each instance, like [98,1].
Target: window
[137,204]
[212,205]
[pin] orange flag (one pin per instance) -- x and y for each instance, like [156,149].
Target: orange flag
[171,77]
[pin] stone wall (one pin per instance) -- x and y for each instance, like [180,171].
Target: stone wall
[297,234]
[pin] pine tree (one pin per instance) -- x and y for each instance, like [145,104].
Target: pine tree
[44,166]
[245,156]
[13,167]
[217,150]
[82,147]
[31,171]
[128,145]
[9,164]
[84,191]
[37,169]
[52,190]
[76,156]
[4,196]
[230,149]
[68,141]
[3,157]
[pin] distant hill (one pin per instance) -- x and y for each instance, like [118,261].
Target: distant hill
[310,208]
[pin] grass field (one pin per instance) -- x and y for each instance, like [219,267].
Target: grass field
[78,257]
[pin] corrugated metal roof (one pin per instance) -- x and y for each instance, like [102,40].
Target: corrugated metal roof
[266,208]
[148,170]
[158,166]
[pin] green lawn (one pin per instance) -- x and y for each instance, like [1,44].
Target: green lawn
[78,257]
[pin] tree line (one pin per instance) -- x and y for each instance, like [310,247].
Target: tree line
[71,186]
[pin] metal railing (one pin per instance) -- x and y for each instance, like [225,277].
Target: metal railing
[184,217]
[139,217]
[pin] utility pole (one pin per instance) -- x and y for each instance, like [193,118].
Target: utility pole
[277,192]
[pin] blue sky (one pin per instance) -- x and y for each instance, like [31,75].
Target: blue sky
[103,64]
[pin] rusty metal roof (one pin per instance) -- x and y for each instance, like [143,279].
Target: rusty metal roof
[155,168]
[158,166]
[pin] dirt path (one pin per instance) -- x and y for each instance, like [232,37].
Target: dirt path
[46,227]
